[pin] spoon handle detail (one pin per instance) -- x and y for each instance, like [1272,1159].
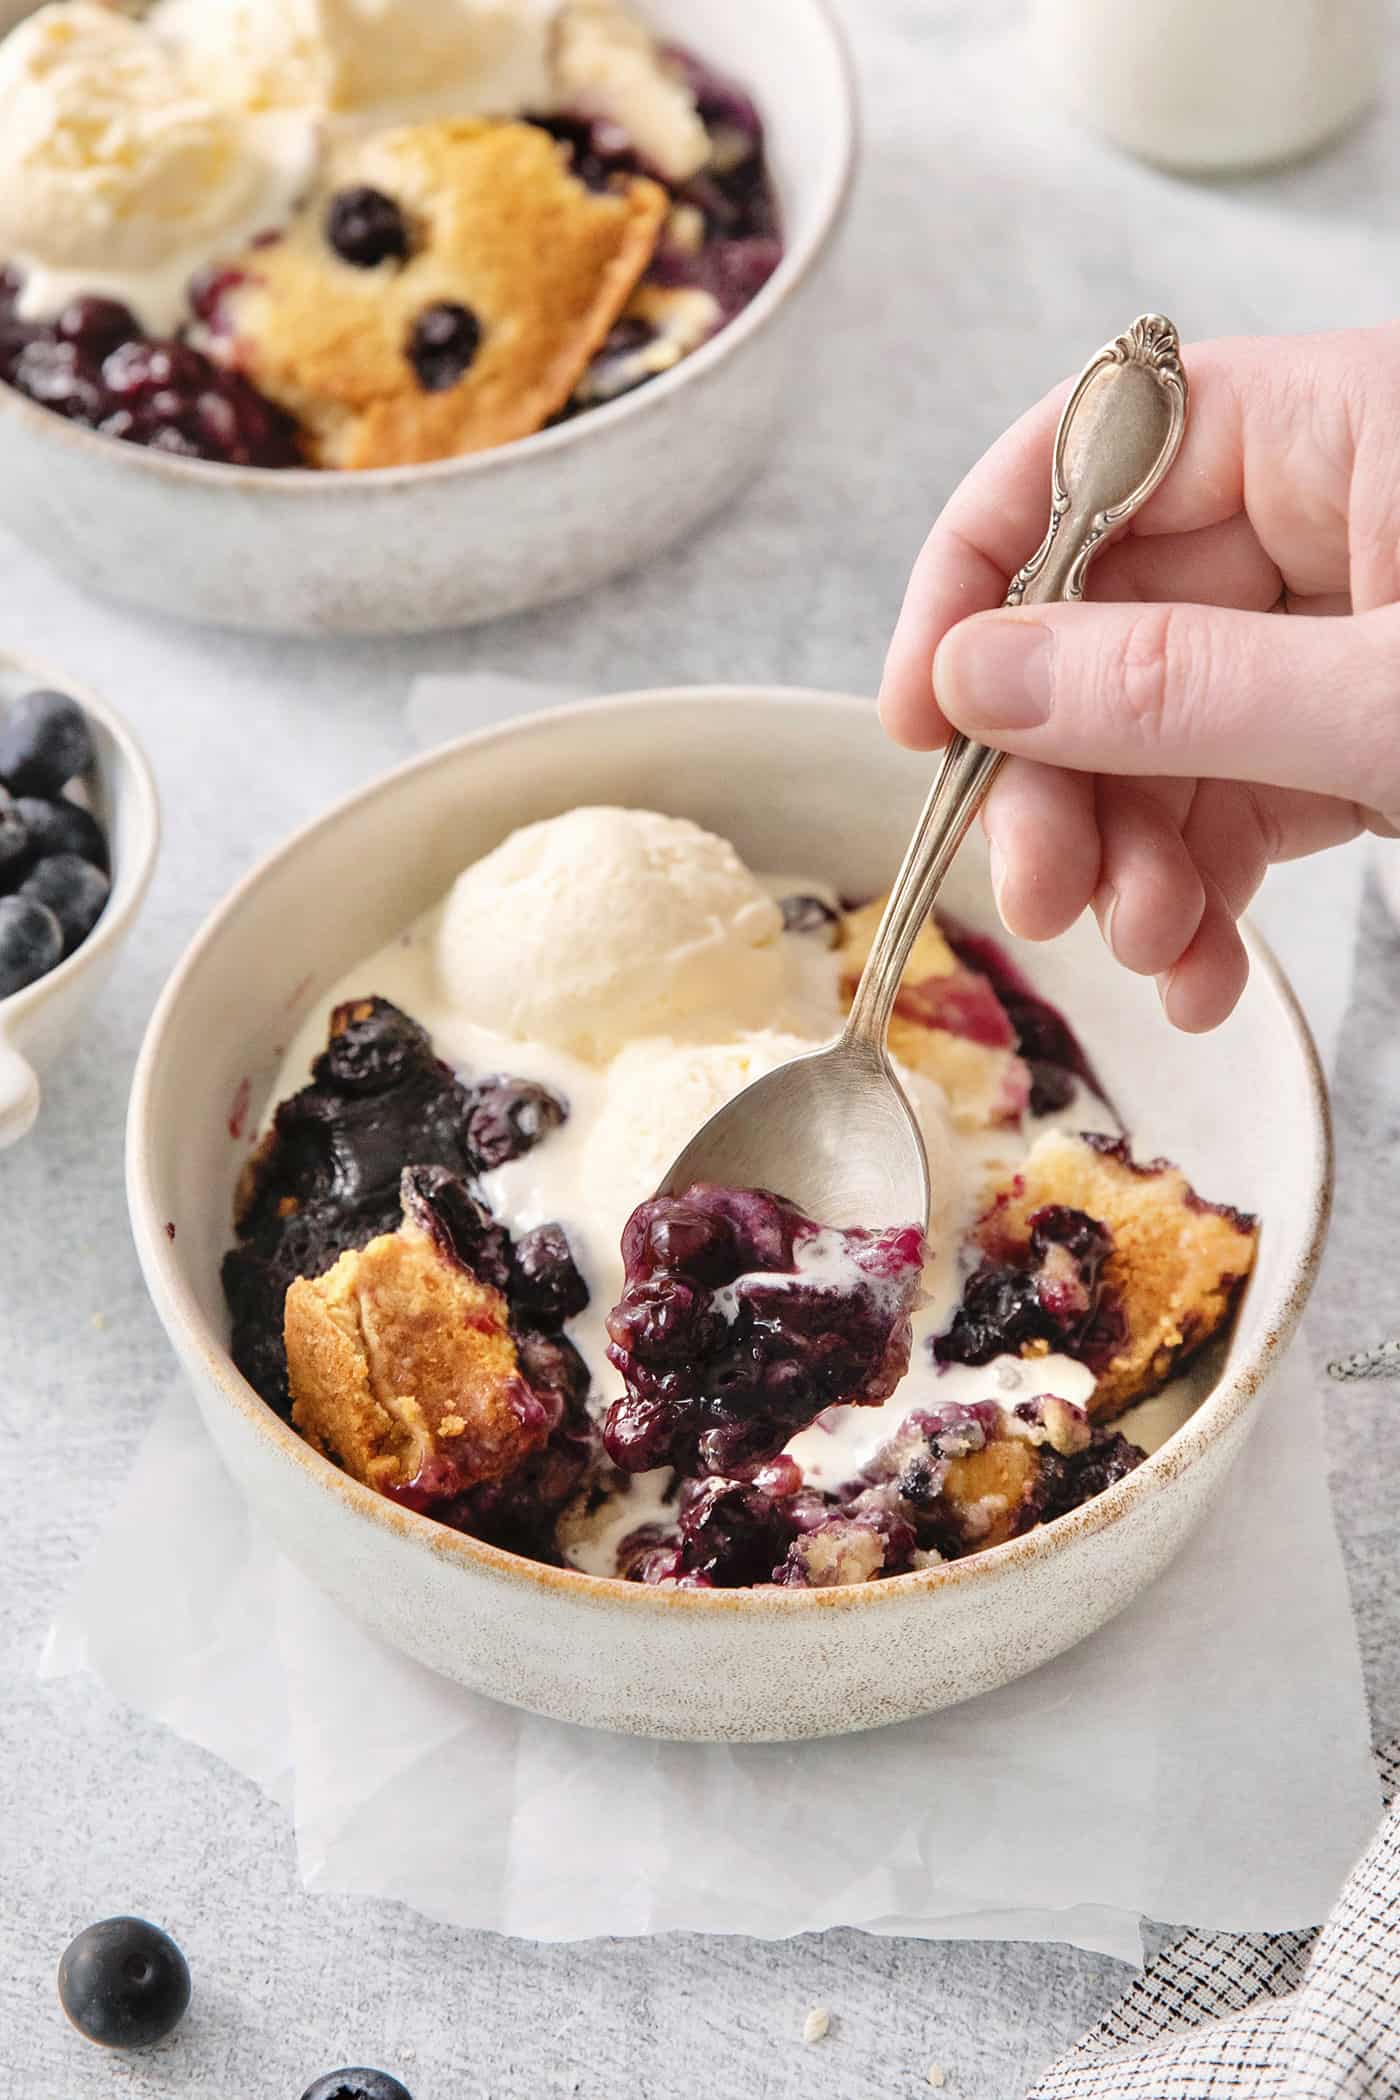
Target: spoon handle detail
[1119,432]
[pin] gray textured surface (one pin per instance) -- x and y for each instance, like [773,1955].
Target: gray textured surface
[987,253]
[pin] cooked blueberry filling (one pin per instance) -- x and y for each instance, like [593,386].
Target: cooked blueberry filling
[741,1324]
[508,1118]
[441,1205]
[727,1349]
[328,1176]
[365,227]
[1078,1478]
[443,345]
[1047,1291]
[1043,1036]
[546,1288]
[95,366]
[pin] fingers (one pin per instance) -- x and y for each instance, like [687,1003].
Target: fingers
[1044,840]
[1186,690]
[1168,867]
[1202,988]
[1256,504]
[1150,899]
[1220,565]
[996,519]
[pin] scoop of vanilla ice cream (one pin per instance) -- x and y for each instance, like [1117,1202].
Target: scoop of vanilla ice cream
[602,925]
[607,66]
[398,60]
[116,173]
[405,61]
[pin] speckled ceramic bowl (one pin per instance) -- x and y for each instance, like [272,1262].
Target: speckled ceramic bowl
[797,780]
[35,1023]
[402,549]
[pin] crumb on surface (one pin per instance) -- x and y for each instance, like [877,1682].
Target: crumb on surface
[817,2024]
[937,2076]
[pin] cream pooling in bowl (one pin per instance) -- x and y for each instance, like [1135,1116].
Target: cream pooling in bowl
[120,173]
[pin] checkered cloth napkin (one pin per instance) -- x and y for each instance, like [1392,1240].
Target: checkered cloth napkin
[1287,2016]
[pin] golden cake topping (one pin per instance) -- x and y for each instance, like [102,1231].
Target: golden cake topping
[470,331]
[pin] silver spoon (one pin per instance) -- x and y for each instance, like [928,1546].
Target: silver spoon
[833,1131]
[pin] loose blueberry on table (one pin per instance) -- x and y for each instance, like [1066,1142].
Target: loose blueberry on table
[124,1983]
[54,880]
[357,2084]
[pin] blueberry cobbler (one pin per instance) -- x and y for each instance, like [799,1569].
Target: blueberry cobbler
[363,233]
[452,1277]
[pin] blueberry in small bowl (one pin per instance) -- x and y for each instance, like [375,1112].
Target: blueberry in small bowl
[79,832]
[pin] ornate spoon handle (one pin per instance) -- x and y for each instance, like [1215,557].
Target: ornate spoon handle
[1120,431]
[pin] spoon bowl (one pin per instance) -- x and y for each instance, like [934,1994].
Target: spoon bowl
[833,1131]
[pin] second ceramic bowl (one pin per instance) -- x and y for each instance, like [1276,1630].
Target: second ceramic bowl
[408,548]
[797,780]
[38,1021]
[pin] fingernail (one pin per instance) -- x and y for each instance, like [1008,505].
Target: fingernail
[1105,905]
[996,866]
[994,674]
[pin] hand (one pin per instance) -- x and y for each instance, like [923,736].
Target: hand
[1176,735]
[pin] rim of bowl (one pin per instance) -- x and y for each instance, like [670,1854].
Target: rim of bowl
[180,1314]
[787,281]
[131,876]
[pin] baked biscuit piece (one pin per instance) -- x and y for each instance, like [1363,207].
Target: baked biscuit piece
[988,1494]
[947,1024]
[403,1369]
[529,268]
[1173,1269]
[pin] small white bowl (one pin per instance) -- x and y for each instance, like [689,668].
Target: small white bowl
[36,1023]
[797,780]
[404,549]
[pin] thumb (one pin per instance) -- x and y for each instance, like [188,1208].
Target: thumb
[1184,690]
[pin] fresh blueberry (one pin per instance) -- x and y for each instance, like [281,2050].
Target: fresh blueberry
[74,891]
[124,1983]
[61,826]
[44,741]
[365,227]
[357,2085]
[15,838]
[31,942]
[444,340]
